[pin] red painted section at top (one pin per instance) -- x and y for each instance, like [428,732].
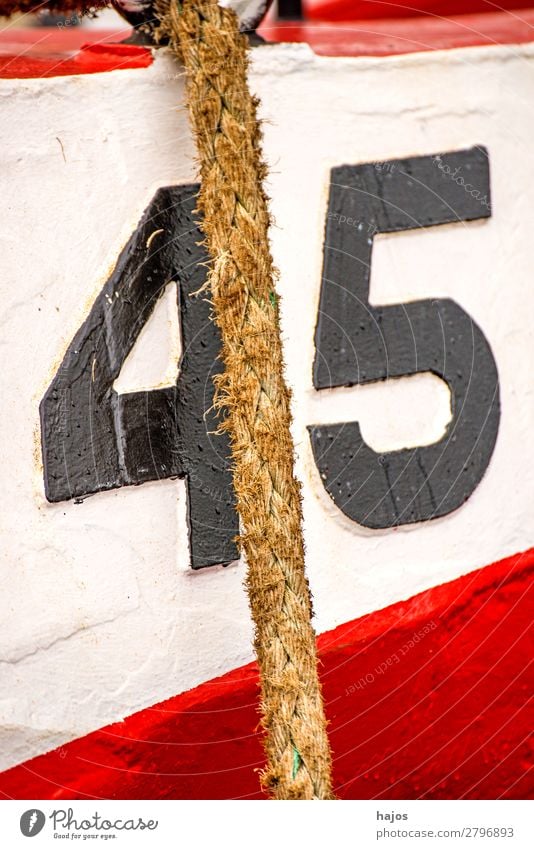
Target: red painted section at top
[429,698]
[360,10]
[355,29]
[389,37]
[58,52]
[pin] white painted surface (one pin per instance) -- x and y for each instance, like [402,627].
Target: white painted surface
[154,359]
[100,613]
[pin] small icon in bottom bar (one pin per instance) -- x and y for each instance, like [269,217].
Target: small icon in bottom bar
[32,822]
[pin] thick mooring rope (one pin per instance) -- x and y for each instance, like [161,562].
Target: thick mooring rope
[253,392]
[252,389]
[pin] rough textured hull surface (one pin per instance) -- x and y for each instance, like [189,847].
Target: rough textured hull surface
[427,698]
[100,614]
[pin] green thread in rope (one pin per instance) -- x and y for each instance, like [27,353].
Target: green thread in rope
[273,299]
[297,760]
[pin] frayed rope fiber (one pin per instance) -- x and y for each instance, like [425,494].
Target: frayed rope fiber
[252,390]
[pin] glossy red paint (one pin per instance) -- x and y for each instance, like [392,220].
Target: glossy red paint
[359,10]
[429,698]
[356,37]
[55,52]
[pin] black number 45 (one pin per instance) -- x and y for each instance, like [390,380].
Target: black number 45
[94,439]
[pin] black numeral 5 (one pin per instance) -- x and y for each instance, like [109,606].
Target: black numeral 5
[359,343]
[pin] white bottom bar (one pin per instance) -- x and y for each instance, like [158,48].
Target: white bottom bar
[360,824]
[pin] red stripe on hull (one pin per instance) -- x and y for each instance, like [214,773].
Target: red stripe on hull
[357,10]
[427,698]
[53,52]
[397,35]
[49,52]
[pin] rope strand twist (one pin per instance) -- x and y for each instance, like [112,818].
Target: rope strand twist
[253,392]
